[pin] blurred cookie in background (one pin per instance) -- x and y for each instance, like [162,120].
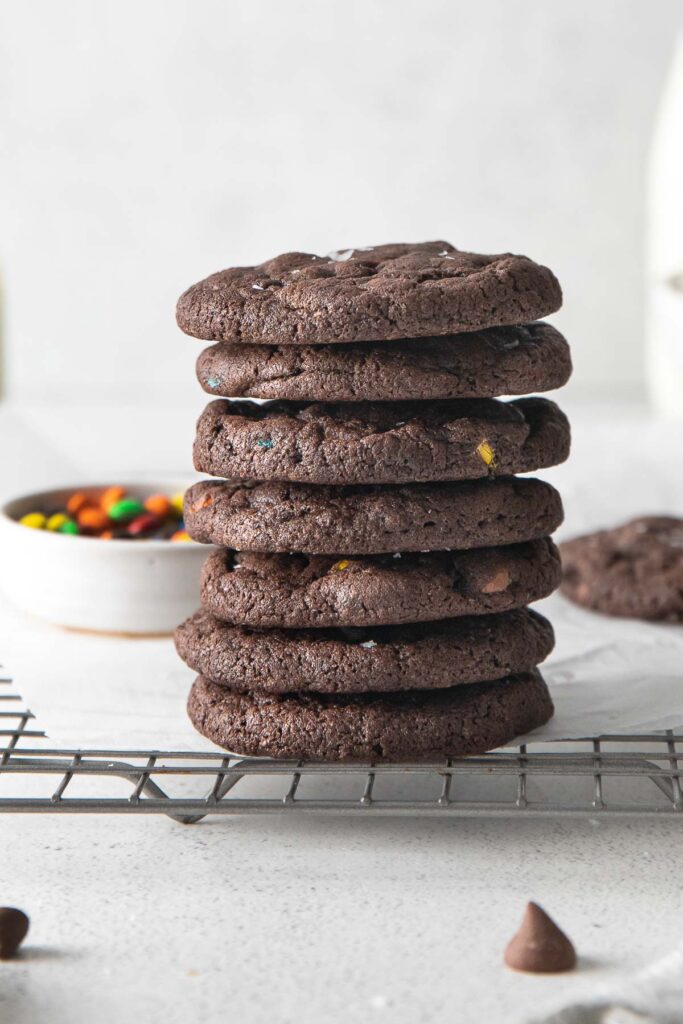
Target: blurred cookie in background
[633,570]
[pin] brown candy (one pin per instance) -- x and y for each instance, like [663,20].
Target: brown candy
[13,929]
[539,946]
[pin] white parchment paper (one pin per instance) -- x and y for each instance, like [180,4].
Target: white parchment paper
[606,676]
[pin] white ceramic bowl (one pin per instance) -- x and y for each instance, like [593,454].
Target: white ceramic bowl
[117,586]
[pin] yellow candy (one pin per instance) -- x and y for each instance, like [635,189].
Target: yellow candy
[181,537]
[57,521]
[177,504]
[486,452]
[36,520]
[344,564]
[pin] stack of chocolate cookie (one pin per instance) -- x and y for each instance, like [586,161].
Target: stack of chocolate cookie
[377,550]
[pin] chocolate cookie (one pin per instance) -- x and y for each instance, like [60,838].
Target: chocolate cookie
[373,294]
[258,590]
[501,361]
[371,520]
[635,570]
[374,443]
[407,726]
[422,656]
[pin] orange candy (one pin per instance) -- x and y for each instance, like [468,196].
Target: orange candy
[92,518]
[181,536]
[76,502]
[204,502]
[111,496]
[158,505]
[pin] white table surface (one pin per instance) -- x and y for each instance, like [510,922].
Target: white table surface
[275,919]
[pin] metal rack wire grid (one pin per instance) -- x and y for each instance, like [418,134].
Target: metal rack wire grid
[620,774]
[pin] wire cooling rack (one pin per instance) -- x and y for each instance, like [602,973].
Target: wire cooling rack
[625,774]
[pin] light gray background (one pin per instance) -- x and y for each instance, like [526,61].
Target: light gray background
[146,144]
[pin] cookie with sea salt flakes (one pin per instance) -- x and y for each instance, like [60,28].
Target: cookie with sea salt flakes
[382,442]
[411,725]
[287,591]
[378,293]
[634,570]
[421,656]
[517,360]
[277,517]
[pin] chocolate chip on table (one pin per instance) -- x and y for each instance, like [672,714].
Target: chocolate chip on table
[539,947]
[13,930]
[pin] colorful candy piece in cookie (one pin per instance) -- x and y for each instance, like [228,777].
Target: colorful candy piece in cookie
[486,453]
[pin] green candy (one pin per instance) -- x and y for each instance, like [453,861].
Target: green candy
[69,527]
[127,508]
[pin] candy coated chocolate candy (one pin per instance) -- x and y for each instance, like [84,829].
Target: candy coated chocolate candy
[69,527]
[127,508]
[159,505]
[76,502]
[539,947]
[110,496]
[143,524]
[92,518]
[13,930]
[181,536]
[35,520]
[56,521]
[177,503]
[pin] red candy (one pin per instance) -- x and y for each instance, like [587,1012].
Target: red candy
[143,524]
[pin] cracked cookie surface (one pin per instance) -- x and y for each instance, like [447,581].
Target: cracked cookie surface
[378,293]
[404,726]
[516,360]
[287,591]
[422,656]
[277,517]
[376,443]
